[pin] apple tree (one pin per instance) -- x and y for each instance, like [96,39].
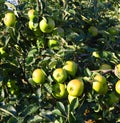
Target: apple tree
[59,61]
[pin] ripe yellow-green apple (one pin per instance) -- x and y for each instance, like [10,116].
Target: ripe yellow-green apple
[71,98]
[60,75]
[9,19]
[105,67]
[38,76]
[96,54]
[59,90]
[75,87]
[58,31]
[47,25]
[117,86]
[117,70]
[71,67]
[53,44]
[31,14]
[93,30]
[99,84]
[112,98]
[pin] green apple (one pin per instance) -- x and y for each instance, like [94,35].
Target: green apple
[53,44]
[99,78]
[75,87]
[99,84]
[93,30]
[59,91]
[117,70]
[31,14]
[100,88]
[71,68]
[117,86]
[60,75]
[38,76]
[71,98]
[9,19]
[47,25]
[112,98]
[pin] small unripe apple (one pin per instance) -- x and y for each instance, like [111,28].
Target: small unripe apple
[47,25]
[59,75]
[71,68]
[59,91]
[9,19]
[93,30]
[75,87]
[38,76]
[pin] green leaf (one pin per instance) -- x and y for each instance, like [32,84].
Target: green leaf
[12,120]
[61,107]
[74,104]
[32,108]
[57,112]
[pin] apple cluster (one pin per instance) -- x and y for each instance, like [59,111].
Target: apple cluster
[46,25]
[61,89]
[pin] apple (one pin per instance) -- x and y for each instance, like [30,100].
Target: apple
[59,91]
[60,75]
[58,31]
[105,67]
[53,44]
[47,25]
[38,76]
[71,67]
[117,86]
[31,14]
[117,70]
[99,84]
[75,87]
[99,87]
[9,19]
[93,30]
[71,98]
[99,78]
[112,98]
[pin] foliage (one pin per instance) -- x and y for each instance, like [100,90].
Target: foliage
[28,49]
